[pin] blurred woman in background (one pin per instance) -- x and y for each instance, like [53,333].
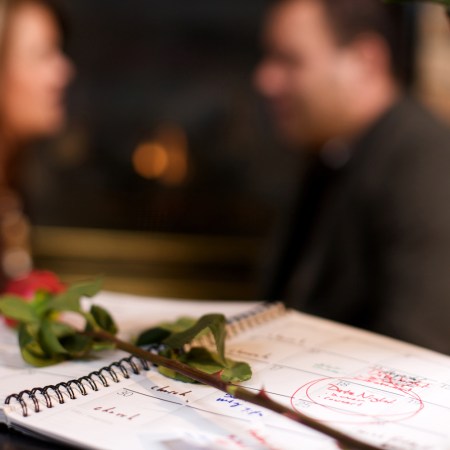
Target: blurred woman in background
[34,74]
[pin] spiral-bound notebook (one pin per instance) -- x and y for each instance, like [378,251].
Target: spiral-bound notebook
[386,392]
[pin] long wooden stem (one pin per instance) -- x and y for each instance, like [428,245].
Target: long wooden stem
[260,398]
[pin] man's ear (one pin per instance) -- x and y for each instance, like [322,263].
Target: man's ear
[372,54]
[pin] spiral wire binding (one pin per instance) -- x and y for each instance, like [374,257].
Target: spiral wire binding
[235,325]
[125,365]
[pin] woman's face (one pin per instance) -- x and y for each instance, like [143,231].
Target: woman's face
[34,76]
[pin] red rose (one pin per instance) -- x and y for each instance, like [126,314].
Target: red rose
[27,286]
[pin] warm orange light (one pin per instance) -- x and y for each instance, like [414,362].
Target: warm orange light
[165,158]
[177,170]
[150,160]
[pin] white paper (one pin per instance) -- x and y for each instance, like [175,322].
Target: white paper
[388,393]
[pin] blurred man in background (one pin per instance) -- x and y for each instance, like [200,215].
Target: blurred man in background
[34,74]
[369,241]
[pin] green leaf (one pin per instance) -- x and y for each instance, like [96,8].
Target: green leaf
[156,335]
[49,341]
[103,319]
[38,361]
[30,349]
[41,303]
[231,371]
[26,334]
[62,330]
[181,324]
[215,322]
[152,336]
[102,345]
[236,371]
[70,299]
[18,309]
[61,341]
[77,345]
[67,301]
[169,373]
[202,359]
[86,288]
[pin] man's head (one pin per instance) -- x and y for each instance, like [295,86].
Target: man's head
[328,70]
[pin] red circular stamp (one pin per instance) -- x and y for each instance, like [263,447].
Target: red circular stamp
[356,400]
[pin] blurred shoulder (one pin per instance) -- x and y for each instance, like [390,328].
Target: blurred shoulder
[415,128]
[405,155]
[408,135]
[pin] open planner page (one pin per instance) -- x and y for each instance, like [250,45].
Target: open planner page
[382,391]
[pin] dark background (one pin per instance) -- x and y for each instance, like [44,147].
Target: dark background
[185,67]
[152,63]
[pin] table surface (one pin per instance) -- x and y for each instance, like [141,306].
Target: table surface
[14,440]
